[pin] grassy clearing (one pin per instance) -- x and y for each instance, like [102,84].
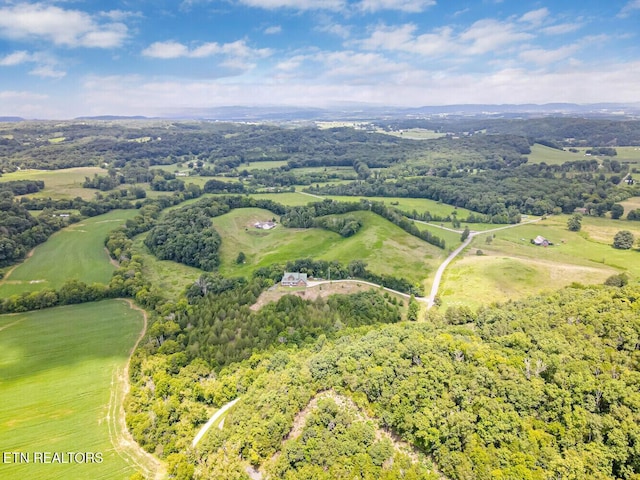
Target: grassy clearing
[76,252]
[383,246]
[628,154]
[263,165]
[56,387]
[512,267]
[414,134]
[630,204]
[552,156]
[170,277]
[292,199]
[64,183]
[421,205]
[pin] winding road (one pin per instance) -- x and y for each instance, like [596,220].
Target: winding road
[438,278]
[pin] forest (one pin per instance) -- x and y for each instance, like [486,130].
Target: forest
[540,389]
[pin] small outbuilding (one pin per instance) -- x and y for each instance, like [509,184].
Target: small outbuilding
[541,241]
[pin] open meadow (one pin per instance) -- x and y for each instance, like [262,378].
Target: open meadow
[512,267]
[76,252]
[58,372]
[383,246]
[64,183]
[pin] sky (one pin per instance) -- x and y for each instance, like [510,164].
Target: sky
[68,58]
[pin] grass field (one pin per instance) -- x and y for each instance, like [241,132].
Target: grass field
[413,134]
[170,277]
[64,183]
[512,267]
[56,386]
[384,247]
[551,156]
[263,165]
[76,252]
[630,204]
[421,205]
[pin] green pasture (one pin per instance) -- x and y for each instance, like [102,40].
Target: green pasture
[171,278]
[628,154]
[630,204]
[56,372]
[420,205]
[413,134]
[292,199]
[76,252]
[64,183]
[552,156]
[329,169]
[512,267]
[383,246]
[269,164]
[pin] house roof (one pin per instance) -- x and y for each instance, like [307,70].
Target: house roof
[294,277]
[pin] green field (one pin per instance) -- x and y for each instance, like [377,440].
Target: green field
[76,252]
[170,277]
[262,165]
[64,183]
[540,153]
[56,371]
[421,205]
[630,204]
[512,267]
[383,246]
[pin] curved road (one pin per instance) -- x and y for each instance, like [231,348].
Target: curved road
[436,281]
[212,420]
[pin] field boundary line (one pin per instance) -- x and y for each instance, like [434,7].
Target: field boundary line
[123,441]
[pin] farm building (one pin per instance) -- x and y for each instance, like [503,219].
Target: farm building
[294,279]
[264,225]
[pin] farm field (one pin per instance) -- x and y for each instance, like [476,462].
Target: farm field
[263,165]
[413,133]
[63,183]
[409,204]
[76,252]
[56,390]
[512,267]
[630,204]
[384,247]
[552,156]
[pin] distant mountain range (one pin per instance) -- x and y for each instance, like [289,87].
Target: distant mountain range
[371,112]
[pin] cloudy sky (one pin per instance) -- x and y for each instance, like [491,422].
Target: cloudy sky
[60,59]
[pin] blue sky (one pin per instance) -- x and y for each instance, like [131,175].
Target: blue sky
[60,59]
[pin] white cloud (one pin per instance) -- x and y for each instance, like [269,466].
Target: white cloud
[541,56]
[489,35]
[136,95]
[171,49]
[484,36]
[535,17]
[71,28]
[629,8]
[411,6]
[21,95]
[16,58]
[47,71]
[561,28]
[296,4]
[46,66]
[167,49]
[273,30]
